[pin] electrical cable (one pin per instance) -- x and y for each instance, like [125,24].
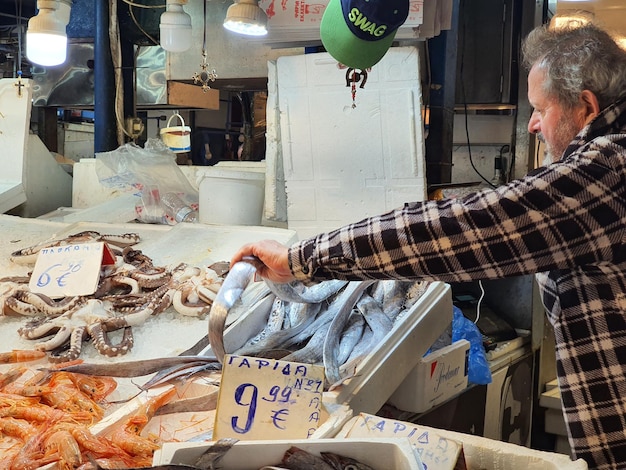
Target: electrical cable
[140,5]
[482,295]
[18,13]
[139,27]
[469,147]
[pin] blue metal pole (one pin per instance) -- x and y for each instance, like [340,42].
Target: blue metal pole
[105,136]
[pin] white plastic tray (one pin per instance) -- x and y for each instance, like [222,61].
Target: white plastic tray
[249,455]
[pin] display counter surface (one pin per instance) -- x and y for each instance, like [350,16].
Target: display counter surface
[167,334]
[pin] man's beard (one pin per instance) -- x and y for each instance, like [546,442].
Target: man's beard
[565,132]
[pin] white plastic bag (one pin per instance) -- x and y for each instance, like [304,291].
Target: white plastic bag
[148,172]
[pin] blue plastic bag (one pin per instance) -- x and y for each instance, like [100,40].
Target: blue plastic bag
[478,367]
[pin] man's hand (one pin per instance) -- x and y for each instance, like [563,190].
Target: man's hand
[271,260]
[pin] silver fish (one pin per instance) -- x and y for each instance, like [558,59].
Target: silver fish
[341,462]
[375,317]
[311,353]
[214,453]
[135,368]
[296,291]
[234,284]
[348,298]
[299,459]
[351,335]
[282,339]
[205,402]
[180,371]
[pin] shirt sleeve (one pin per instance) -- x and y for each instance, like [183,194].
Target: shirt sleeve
[558,217]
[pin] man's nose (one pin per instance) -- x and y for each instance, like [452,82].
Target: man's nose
[533,124]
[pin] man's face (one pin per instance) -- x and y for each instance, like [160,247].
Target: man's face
[555,125]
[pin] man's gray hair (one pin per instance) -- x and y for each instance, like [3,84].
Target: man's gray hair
[576,58]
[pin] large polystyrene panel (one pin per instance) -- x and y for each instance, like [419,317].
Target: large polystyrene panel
[346,160]
[15,106]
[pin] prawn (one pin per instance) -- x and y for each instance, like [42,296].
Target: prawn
[11,376]
[95,387]
[21,355]
[61,393]
[61,446]
[128,438]
[18,428]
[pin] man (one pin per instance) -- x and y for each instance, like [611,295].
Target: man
[565,221]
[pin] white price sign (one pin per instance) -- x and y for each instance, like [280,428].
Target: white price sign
[69,270]
[268,399]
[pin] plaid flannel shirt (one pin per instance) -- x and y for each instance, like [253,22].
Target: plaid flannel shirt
[565,223]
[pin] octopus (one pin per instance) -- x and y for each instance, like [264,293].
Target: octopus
[128,293]
[93,318]
[29,255]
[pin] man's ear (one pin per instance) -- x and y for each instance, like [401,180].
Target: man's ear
[590,105]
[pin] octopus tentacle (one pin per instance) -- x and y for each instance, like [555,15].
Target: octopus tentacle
[103,344]
[74,349]
[186,305]
[29,303]
[58,340]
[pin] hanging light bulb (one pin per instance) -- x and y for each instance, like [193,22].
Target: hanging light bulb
[46,38]
[246,17]
[175,27]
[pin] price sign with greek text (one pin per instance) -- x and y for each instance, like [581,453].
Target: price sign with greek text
[268,399]
[69,270]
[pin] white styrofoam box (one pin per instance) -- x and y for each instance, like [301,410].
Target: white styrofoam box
[77,140]
[378,375]
[479,452]
[343,163]
[435,451]
[437,377]
[251,455]
[16,107]
[232,197]
[381,372]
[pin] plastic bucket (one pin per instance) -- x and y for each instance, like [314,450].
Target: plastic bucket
[231,197]
[177,138]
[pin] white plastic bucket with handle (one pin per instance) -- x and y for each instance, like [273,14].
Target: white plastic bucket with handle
[177,138]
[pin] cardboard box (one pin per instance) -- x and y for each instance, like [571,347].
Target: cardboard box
[438,447]
[252,455]
[437,377]
[183,94]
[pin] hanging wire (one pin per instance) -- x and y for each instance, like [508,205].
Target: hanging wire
[480,300]
[18,14]
[469,147]
[141,5]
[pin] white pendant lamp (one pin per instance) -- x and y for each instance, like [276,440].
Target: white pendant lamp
[246,17]
[46,38]
[175,27]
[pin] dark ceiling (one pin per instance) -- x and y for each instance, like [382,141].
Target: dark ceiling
[10,11]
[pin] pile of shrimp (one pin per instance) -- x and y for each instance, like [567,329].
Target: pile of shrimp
[48,417]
